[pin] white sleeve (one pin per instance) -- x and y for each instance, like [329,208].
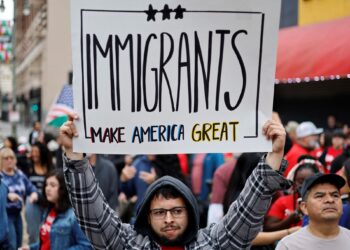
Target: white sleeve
[215,213]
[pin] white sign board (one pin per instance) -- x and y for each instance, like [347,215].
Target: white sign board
[173,76]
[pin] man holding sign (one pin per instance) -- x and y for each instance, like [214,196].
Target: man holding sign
[168,77]
[168,216]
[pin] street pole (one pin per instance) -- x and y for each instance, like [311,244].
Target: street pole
[14,86]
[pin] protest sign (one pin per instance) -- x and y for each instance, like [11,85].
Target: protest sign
[173,76]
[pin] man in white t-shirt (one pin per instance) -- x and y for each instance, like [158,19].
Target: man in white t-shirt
[321,201]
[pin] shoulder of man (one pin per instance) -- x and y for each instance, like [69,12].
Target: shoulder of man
[293,240]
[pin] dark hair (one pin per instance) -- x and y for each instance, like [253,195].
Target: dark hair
[168,192]
[347,170]
[338,133]
[48,137]
[327,139]
[346,165]
[244,167]
[45,155]
[303,157]
[307,165]
[168,164]
[14,144]
[63,199]
[35,122]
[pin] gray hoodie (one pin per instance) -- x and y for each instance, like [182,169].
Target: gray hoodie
[141,223]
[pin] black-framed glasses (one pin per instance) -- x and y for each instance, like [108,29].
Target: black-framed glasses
[161,213]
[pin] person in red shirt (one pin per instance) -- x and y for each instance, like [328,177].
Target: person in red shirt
[336,149]
[284,212]
[307,141]
[60,229]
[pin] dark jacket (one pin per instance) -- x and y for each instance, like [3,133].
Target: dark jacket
[107,177]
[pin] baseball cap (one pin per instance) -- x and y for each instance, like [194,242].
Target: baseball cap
[308,128]
[318,178]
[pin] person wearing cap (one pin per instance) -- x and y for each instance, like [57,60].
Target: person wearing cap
[336,149]
[307,140]
[321,201]
[285,213]
[338,162]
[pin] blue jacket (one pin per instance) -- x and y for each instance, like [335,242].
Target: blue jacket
[3,213]
[19,184]
[137,186]
[65,233]
[212,162]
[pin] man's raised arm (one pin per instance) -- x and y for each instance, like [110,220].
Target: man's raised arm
[245,216]
[99,222]
[274,130]
[67,132]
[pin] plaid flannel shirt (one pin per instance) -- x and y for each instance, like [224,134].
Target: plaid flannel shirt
[235,231]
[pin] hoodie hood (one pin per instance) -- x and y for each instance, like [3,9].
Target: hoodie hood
[141,223]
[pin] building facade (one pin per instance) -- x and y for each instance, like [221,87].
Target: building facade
[43,56]
[316,11]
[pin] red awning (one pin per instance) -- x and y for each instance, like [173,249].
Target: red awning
[314,52]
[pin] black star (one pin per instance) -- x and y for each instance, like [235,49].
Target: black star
[166,12]
[179,12]
[151,13]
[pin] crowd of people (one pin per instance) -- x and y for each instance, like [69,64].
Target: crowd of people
[215,201]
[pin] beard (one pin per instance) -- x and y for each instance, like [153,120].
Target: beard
[162,240]
[311,145]
[166,242]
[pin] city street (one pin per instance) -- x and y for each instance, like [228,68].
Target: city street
[230,115]
[6,130]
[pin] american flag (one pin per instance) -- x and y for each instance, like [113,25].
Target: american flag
[60,109]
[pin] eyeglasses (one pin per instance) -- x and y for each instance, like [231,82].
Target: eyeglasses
[8,157]
[161,213]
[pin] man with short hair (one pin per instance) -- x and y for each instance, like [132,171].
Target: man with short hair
[307,140]
[168,216]
[321,201]
[36,133]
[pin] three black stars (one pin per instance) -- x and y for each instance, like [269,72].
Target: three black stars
[151,13]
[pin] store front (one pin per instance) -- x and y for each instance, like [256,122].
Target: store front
[313,72]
